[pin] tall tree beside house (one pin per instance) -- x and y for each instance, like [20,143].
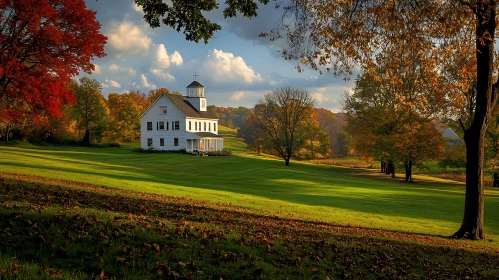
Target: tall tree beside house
[124,115]
[280,114]
[90,110]
[43,44]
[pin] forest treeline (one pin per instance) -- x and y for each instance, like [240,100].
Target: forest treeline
[90,117]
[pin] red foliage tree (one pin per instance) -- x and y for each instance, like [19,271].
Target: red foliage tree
[43,44]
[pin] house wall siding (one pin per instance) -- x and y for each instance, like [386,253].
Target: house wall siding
[154,115]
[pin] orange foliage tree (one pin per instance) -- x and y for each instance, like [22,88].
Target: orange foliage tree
[455,38]
[124,115]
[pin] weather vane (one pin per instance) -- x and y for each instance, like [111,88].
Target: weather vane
[195,76]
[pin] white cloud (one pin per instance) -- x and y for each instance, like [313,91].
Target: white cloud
[224,66]
[117,69]
[162,74]
[163,60]
[146,83]
[318,94]
[111,83]
[127,38]
[237,96]
[176,58]
[97,69]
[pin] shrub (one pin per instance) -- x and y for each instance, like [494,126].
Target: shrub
[154,151]
[220,153]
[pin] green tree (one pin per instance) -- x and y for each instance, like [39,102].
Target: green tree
[280,114]
[190,16]
[90,110]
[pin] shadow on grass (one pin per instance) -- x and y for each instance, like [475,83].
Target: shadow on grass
[94,230]
[305,184]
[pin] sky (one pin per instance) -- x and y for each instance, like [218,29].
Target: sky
[236,66]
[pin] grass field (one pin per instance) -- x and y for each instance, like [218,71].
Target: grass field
[357,197]
[57,216]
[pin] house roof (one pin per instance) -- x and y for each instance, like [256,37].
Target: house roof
[195,84]
[206,134]
[187,109]
[450,134]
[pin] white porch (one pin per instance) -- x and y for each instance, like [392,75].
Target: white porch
[204,144]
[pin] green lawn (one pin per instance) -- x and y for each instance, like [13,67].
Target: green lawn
[305,191]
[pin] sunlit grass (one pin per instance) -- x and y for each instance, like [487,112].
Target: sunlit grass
[306,191]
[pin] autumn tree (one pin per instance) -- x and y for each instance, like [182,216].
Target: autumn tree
[390,120]
[253,134]
[280,114]
[124,115]
[314,136]
[456,36]
[232,117]
[43,44]
[90,110]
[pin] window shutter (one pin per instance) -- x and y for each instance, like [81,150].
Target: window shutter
[157,125]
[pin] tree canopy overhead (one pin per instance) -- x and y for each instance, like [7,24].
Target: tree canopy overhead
[189,16]
[43,44]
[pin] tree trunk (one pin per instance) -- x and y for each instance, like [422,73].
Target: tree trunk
[472,225]
[408,171]
[382,166]
[387,168]
[86,138]
[392,169]
[259,149]
[287,161]
[8,132]
[495,184]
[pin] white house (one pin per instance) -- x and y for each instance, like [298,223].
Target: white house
[175,122]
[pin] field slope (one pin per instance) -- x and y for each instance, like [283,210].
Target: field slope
[350,197]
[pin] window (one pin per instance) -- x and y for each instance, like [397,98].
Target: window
[189,125]
[215,127]
[167,125]
[149,141]
[175,125]
[209,126]
[204,126]
[203,103]
[195,125]
[161,142]
[149,125]
[162,110]
[161,126]
[175,142]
